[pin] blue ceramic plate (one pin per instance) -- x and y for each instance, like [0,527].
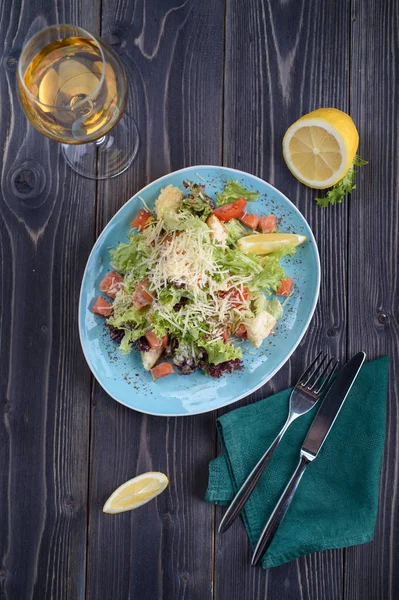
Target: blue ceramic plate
[124,378]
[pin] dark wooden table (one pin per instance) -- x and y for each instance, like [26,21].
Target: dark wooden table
[214,82]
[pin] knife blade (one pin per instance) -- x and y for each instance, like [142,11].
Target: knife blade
[331,406]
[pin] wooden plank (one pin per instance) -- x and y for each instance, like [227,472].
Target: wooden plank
[174,54]
[371,569]
[46,231]
[283,60]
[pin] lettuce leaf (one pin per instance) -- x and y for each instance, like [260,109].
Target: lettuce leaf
[270,276]
[129,257]
[197,201]
[126,344]
[219,352]
[183,221]
[237,262]
[171,295]
[132,318]
[260,302]
[275,308]
[286,250]
[233,191]
[345,186]
[235,231]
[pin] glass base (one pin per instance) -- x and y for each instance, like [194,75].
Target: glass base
[108,156]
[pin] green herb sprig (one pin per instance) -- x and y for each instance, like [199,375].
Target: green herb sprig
[343,187]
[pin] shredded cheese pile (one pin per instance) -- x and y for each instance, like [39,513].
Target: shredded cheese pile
[185,258]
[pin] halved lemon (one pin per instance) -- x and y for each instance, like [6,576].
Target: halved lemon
[136,492]
[264,243]
[320,147]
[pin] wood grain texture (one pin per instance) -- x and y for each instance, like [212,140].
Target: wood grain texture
[371,570]
[61,454]
[173,53]
[46,230]
[284,59]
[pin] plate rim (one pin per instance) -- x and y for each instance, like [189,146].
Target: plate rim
[280,365]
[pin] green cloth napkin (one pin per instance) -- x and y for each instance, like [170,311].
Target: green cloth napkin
[336,501]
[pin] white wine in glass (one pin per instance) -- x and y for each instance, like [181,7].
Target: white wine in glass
[73,89]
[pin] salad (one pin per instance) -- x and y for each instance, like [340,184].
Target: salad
[196,277]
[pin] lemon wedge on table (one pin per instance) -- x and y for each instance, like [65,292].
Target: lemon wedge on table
[136,492]
[265,243]
[320,147]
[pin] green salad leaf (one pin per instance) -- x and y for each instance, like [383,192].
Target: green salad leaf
[343,187]
[275,308]
[219,352]
[183,221]
[235,231]
[285,250]
[270,276]
[197,201]
[233,191]
[131,318]
[170,295]
[128,339]
[237,262]
[130,257]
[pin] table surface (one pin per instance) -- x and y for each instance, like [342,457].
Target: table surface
[213,83]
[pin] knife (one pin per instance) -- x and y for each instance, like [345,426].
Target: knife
[319,430]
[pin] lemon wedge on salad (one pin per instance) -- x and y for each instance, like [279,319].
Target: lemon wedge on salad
[319,148]
[265,243]
[136,492]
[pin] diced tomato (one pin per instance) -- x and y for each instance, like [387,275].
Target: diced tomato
[141,219]
[162,370]
[241,331]
[285,287]
[250,220]
[226,334]
[233,210]
[268,224]
[156,342]
[112,283]
[141,295]
[101,307]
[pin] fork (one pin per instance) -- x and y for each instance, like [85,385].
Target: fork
[311,385]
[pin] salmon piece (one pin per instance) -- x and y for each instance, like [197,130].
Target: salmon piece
[162,370]
[236,297]
[241,332]
[111,284]
[251,221]
[268,224]
[285,287]
[141,295]
[226,334]
[141,219]
[102,307]
[156,342]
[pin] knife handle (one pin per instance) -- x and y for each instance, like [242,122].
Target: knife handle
[279,512]
[249,484]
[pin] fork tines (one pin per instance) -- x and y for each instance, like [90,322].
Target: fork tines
[315,379]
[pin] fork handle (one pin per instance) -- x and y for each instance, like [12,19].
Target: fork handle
[249,484]
[279,512]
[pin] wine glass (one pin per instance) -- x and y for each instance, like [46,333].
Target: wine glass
[73,89]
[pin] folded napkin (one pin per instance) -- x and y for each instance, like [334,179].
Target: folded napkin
[336,502]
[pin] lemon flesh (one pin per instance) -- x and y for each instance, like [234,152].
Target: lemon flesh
[136,492]
[320,147]
[265,243]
